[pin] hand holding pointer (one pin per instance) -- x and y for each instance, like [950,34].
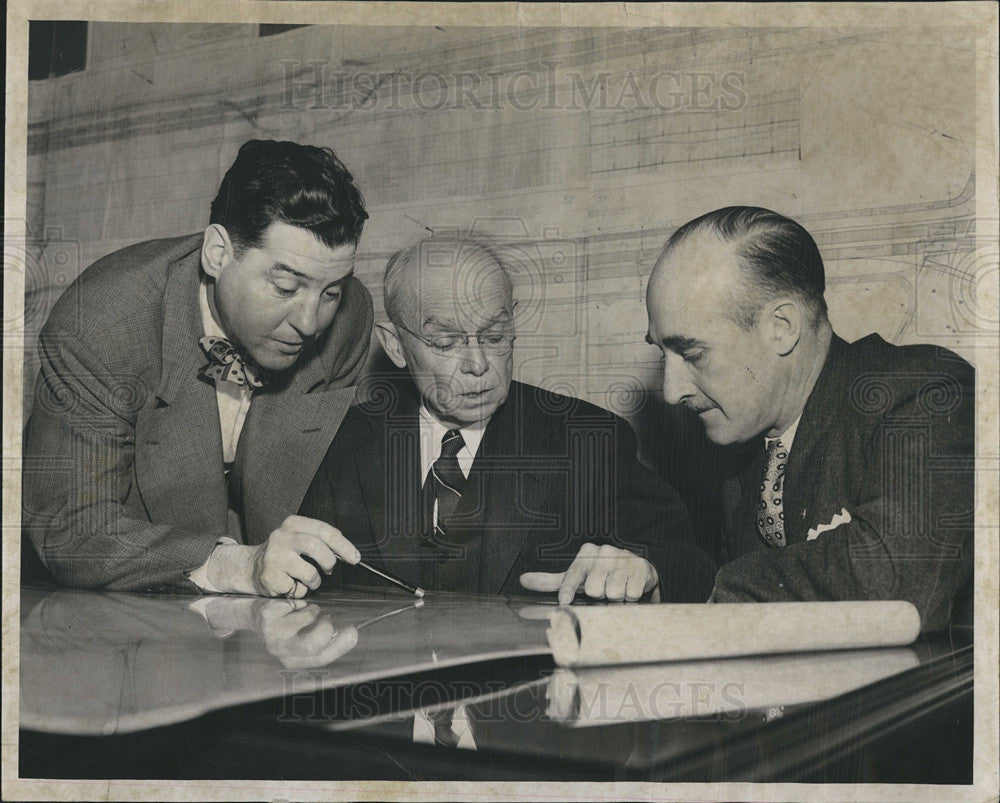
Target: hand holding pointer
[279,566]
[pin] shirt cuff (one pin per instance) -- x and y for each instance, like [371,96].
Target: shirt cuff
[199,576]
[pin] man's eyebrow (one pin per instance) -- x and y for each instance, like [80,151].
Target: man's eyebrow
[281,267]
[443,325]
[504,316]
[677,343]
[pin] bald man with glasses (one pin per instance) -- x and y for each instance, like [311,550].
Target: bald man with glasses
[456,478]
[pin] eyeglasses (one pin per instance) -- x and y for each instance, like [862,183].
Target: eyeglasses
[491,341]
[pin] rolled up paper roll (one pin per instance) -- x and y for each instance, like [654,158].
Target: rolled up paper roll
[635,634]
[613,695]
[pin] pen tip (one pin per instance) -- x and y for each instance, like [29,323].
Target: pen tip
[419,592]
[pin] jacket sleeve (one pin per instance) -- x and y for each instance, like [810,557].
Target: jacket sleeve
[910,537]
[79,452]
[651,520]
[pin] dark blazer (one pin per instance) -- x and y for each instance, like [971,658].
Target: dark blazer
[551,473]
[123,476]
[886,435]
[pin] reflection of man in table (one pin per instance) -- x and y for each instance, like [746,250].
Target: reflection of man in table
[188,395]
[101,662]
[457,478]
[863,483]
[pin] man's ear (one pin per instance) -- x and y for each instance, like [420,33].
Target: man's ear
[783,325]
[389,338]
[216,250]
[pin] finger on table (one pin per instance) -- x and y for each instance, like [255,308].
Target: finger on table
[577,573]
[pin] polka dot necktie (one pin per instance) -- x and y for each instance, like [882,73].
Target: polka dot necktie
[448,479]
[225,364]
[770,514]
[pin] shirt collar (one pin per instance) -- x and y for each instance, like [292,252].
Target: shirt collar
[472,434]
[787,436]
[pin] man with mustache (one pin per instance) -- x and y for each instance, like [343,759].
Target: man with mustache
[862,486]
[456,478]
[189,388]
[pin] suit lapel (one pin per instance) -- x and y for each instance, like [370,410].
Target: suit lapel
[390,483]
[284,438]
[401,517]
[806,457]
[741,495]
[507,488]
[178,440]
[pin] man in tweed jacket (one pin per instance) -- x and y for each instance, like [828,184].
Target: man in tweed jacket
[189,388]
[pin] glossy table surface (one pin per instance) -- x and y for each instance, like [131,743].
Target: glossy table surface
[95,663]
[348,672]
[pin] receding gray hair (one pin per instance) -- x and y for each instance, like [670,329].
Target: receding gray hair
[437,250]
[778,256]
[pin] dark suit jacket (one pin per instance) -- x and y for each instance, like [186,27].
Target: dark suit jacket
[551,473]
[123,477]
[887,435]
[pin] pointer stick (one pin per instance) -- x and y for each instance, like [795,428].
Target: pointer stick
[415,590]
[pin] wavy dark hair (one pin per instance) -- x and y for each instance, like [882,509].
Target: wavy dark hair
[301,185]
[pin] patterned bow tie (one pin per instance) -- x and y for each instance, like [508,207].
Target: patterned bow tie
[225,364]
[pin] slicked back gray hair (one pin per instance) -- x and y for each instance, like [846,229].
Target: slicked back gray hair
[399,285]
[779,257]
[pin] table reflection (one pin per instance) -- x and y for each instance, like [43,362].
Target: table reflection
[349,685]
[115,662]
[592,697]
[639,717]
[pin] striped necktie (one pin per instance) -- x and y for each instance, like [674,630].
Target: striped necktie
[771,515]
[448,479]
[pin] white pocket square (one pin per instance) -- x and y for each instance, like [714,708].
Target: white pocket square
[843,517]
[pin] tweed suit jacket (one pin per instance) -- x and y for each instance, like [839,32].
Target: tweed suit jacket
[551,473]
[878,490]
[124,485]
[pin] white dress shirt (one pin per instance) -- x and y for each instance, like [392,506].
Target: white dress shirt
[785,437]
[233,401]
